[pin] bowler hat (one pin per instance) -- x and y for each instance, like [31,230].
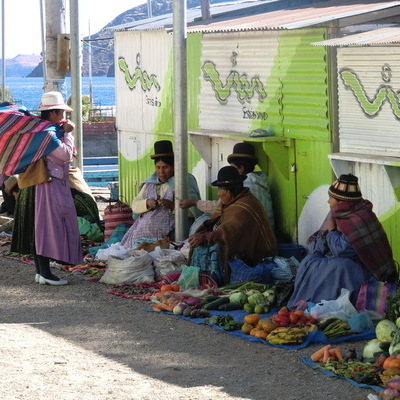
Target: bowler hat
[243,150]
[345,188]
[53,101]
[163,148]
[228,176]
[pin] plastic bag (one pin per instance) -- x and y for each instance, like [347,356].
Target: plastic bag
[136,268]
[166,261]
[341,307]
[114,250]
[189,277]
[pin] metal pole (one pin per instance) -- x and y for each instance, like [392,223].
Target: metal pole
[90,70]
[180,117]
[43,33]
[3,54]
[149,10]
[76,79]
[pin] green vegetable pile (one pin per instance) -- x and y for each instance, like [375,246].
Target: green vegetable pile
[227,322]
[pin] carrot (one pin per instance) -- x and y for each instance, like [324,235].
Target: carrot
[318,355]
[325,357]
[337,353]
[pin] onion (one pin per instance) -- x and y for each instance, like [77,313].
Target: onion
[388,394]
[192,301]
[393,384]
[179,308]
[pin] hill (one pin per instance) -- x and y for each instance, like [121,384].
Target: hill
[21,65]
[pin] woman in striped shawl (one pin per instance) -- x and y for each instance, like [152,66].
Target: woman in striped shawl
[350,248]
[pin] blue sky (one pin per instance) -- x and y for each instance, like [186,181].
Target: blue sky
[22,21]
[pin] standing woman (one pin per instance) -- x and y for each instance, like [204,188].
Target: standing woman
[45,217]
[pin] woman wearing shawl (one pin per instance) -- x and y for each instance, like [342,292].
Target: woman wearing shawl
[239,227]
[154,204]
[351,248]
[45,218]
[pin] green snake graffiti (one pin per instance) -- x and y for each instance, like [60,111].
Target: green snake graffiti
[245,90]
[384,93]
[146,81]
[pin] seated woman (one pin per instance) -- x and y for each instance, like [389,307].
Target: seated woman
[350,248]
[244,160]
[239,227]
[155,202]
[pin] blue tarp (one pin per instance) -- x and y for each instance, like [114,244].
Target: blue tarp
[313,337]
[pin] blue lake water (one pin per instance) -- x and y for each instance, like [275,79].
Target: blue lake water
[27,91]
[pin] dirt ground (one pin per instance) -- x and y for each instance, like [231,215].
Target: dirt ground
[77,341]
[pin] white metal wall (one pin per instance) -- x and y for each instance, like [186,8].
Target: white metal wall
[147,55]
[245,56]
[369,114]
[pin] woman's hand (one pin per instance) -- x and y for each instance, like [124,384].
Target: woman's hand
[196,239]
[166,204]
[187,203]
[68,126]
[151,204]
[330,223]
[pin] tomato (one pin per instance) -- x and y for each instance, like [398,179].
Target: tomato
[284,311]
[293,318]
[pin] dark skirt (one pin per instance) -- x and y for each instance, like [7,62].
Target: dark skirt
[23,237]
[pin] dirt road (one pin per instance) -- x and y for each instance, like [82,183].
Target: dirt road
[77,341]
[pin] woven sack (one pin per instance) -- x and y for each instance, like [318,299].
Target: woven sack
[116,214]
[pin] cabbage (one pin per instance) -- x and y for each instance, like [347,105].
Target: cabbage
[238,298]
[371,347]
[384,330]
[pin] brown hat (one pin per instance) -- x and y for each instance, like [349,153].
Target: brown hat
[163,148]
[345,188]
[228,176]
[243,150]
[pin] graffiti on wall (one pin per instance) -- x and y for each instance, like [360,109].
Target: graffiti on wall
[385,92]
[145,80]
[246,88]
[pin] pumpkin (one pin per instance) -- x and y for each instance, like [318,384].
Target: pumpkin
[391,361]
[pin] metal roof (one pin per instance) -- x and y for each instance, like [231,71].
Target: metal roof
[379,36]
[323,12]
[192,14]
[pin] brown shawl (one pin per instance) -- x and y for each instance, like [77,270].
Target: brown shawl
[244,229]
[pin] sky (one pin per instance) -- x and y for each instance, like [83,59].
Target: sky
[22,22]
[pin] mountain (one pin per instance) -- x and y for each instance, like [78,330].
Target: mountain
[21,65]
[102,42]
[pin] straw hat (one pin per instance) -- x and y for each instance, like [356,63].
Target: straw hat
[345,188]
[53,101]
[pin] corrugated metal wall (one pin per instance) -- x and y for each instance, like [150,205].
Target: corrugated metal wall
[369,115]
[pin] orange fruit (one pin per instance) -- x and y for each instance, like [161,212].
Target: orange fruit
[165,288]
[175,287]
[252,319]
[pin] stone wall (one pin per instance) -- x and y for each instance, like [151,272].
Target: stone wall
[99,139]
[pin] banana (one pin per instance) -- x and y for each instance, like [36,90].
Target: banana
[323,324]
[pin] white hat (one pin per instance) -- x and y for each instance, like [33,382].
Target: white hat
[53,101]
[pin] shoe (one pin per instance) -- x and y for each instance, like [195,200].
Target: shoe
[44,281]
[37,277]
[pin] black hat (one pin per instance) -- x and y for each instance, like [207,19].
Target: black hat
[345,188]
[228,176]
[163,148]
[243,150]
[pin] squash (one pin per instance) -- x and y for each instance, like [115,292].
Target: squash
[252,319]
[267,324]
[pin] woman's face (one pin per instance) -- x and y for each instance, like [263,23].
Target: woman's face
[224,195]
[332,202]
[164,171]
[56,116]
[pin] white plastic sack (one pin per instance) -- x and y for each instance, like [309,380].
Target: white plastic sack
[115,250]
[136,268]
[167,261]
[341,307]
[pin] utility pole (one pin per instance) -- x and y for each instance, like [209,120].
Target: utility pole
[76,79]
[55,25]
[180,117]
